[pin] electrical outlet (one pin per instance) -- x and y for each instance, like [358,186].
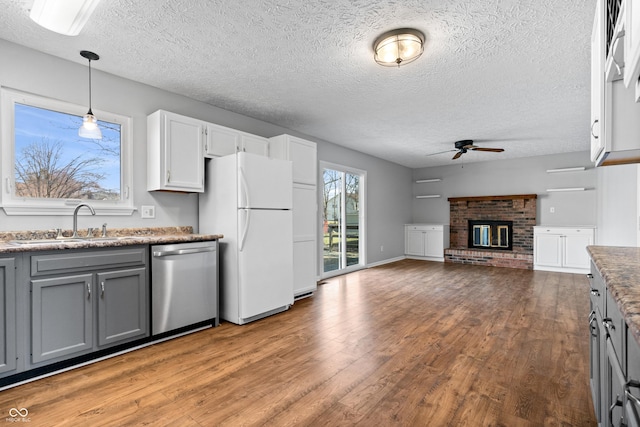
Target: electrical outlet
[381,248]
[552,210]
[148,212]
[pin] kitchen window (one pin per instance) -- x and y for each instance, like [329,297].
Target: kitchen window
[47,169]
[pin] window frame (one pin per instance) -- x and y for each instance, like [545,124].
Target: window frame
[14,205]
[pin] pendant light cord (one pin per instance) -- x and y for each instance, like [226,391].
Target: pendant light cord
[90,111]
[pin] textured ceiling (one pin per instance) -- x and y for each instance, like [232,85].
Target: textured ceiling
[507,73]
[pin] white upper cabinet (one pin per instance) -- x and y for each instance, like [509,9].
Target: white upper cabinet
[632,45]
[302,153]
[222,141]
[174,153]
[254,144]
[597,83]
[615,128]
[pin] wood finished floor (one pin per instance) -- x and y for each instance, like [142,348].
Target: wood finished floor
[410,343]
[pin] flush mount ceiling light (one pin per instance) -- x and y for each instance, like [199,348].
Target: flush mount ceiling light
[89,128]
[63,16]
[398,47]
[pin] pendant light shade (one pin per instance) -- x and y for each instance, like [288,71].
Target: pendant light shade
[89,128]
[398,47]
[63,16]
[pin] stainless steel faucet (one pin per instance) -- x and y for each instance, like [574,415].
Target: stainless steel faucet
[75,218]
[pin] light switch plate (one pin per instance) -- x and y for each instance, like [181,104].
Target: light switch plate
[148,212]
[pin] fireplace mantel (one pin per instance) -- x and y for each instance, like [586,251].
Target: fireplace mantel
[487,198]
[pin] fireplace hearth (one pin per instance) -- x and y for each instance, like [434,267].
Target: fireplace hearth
[491,234]
[492,230]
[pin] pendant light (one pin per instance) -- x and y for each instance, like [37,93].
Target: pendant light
[398,47]
[89,128]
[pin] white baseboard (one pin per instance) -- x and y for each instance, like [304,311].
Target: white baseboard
[426,258]
[562,269]
[386,261]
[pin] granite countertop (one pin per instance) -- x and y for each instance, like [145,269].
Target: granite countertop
[620,269]
[115,238]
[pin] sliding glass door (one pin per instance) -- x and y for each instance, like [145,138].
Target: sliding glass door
[342,219]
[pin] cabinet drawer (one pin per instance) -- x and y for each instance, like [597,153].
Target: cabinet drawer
[616,329]
[71,261]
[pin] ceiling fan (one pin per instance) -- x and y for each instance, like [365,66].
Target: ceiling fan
[465,145]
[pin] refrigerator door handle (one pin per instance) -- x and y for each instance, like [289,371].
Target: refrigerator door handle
[245,189]
[245,229]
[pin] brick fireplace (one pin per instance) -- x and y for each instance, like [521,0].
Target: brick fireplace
[518,210]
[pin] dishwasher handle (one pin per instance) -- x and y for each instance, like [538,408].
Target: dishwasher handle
[184,251]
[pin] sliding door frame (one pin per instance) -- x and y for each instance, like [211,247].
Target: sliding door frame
[362,219]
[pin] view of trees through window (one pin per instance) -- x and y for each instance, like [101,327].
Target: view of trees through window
[341,219]
[53,162]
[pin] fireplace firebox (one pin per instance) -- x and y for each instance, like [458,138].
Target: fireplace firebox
[491,234]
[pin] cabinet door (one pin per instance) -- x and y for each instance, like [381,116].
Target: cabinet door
[183,147]
[575,249]
[122,305]
[632,394]
[414,242]
[595,362]
[548,250]
[305,212]
[303,154]
[221,141]
[434,244]
[614,381]
[61,316]
[597,83]
[7,315]
[254,144]
[304,267]
[632,43]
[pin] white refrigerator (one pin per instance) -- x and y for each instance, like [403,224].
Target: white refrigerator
[248,198]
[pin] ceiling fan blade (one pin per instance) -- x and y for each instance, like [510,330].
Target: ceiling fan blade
[457,155]
[494,150]
[440,152]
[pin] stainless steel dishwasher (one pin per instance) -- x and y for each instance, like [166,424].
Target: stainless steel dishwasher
[184,285]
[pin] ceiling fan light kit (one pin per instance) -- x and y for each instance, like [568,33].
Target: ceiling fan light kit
[398,47]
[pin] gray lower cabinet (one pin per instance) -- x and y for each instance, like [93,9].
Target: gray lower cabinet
[84,301]
[61,316]
[8,339]
[122,305]
[614,360]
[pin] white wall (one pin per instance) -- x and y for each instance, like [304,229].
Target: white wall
[31,71]
[617,205]
[508,177]
[388,199]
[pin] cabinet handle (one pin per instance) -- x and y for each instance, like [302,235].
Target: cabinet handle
[618,402]
[595,292]
[592,125]
[102,290]
[168,176]
[608,325]
[589,276]
[88,290]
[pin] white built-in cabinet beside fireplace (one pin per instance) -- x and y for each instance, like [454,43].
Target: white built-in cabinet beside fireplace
[426,241]
[562,249]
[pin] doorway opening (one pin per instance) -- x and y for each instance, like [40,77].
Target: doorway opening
[342,219]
